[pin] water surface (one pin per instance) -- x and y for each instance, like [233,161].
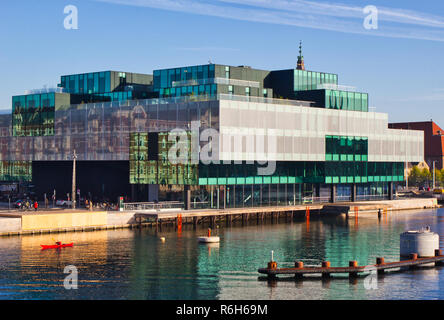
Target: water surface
[135,264]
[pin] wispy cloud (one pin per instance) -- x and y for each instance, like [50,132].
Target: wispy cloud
[434,95]
[208,49]
[393,22]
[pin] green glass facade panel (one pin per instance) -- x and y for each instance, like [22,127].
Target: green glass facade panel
[249,180]
[283,180]
[275,180]
[231,181]
[267,180]
[212,181]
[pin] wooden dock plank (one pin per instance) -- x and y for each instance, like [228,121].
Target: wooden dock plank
[359,269]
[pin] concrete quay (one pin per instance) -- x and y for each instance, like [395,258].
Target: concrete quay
[69,220]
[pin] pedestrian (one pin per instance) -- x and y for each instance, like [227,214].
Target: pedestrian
[36,205]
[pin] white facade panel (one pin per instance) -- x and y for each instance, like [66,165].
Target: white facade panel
[297,133]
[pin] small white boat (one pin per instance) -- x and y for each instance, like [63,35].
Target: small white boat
[213,239]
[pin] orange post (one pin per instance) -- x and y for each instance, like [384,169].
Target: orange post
[353,264]
[414,256]
[325,264]
[299,264]
[179,223]
[209,232]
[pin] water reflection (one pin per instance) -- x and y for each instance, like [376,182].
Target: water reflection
[136,264]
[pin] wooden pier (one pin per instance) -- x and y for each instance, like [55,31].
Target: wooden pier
[228,216]
[353,269]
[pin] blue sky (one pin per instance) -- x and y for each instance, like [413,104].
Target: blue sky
[400,64]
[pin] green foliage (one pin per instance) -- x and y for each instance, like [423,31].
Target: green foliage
[423,177]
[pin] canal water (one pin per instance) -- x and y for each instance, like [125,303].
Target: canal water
[135,264]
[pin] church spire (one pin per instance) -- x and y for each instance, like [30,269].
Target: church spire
[300,65]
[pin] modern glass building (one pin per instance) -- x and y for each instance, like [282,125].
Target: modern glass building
[220,136]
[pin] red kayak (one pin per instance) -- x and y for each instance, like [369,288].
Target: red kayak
[57,245]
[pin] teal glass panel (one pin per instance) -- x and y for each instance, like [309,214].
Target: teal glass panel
[212,181]
[231,180]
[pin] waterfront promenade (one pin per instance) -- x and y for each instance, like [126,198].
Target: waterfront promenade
[67,220]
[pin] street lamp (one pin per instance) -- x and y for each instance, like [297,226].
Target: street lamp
[73,196]
[434,174]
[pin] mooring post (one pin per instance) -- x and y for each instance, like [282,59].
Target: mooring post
[438,253]
[325,264]
[353,264]
[380,261]
[298,265]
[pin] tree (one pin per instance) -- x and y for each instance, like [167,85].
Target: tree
[426,177]
[415,176]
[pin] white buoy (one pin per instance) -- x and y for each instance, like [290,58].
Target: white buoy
[423,242]
[208,238]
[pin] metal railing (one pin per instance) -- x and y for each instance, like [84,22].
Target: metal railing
[183,99]
[153,205]
[370,197]
[332,86]
[234,82]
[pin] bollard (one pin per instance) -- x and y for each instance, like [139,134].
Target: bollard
[325,264]
[353,264]
[298,265]
[438,253]
[380,261]
[413,256]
